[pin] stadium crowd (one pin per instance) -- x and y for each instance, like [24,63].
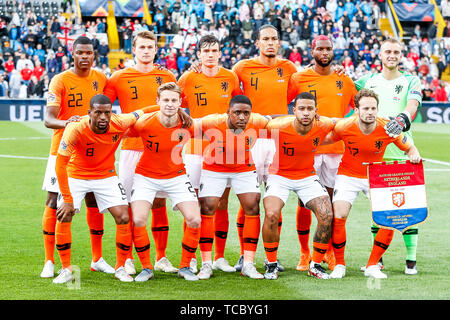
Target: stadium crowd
[33,49]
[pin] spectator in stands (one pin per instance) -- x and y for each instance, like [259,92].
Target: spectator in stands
[103,50]
[38,70]
[441,93]
[35,88]
[15,81]
[24,62]
[10,65]
[4,86]
[182,61]
[40,53]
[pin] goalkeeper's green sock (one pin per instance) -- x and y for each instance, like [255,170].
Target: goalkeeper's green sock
[410,237]
[374,229]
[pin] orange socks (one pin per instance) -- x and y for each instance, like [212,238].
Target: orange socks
[64,242]
[240,227]
[319,250]
[303,227]
[123,243]
[160,231]
[206,237]
[271,249]
[380,244]
[48,228]
[189,245]
[252,227]
[95,223]
[142,246]
[338,240]
[221,232]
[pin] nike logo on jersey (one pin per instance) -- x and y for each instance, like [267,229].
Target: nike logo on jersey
[285,143]
[253,73]
[311,85]
[351,142]
[71,88]
[90,143]
[130,81]
[196,87]
[150,136]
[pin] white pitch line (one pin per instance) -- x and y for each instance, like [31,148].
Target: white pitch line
[437,162]
[21,157]
[26,138]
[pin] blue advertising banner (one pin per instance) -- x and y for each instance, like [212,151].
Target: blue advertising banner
[28,109]
[89,8]
[33,110]
[414,11]
[129,8]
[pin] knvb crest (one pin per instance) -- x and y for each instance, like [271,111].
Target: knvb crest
[180,137]
[316,141]
[159,80]
[95,85]
[398,199]
[115,138]
[224,86]
[398,89]
[280,72]
[378,144]
[339,84]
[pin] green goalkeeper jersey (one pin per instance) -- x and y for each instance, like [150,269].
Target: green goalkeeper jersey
[393,96]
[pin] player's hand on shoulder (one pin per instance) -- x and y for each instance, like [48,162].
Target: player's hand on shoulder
[65,212]
[196,66]
[339,70]
[159,67]
[186,119]
[75,118]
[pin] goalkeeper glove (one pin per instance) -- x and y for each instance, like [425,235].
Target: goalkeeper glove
[399,124]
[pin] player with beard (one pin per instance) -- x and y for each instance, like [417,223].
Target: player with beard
[334,94]
[400,96]
[68,99]
[265,82]
[366,141]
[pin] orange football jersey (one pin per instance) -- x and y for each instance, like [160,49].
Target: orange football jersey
[161,158]
[266,86]
[92,155]
[360,148]
[229,152]
[136,90]
[72,95]
[335,97]
[204,95]
[294,158]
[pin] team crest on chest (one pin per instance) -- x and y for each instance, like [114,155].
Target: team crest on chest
[280,72]
[398,89]
[339,84]
[378,144]
[159,80]
[224,85]
[95,85]
[316,141]
[115,138]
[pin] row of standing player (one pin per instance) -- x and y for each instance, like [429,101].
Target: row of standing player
[258,79]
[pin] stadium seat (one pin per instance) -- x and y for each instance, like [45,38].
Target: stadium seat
[45,5]
[28,5]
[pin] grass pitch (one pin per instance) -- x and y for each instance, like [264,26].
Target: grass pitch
[23,152]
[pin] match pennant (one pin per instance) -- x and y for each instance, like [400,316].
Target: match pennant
[397,194]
